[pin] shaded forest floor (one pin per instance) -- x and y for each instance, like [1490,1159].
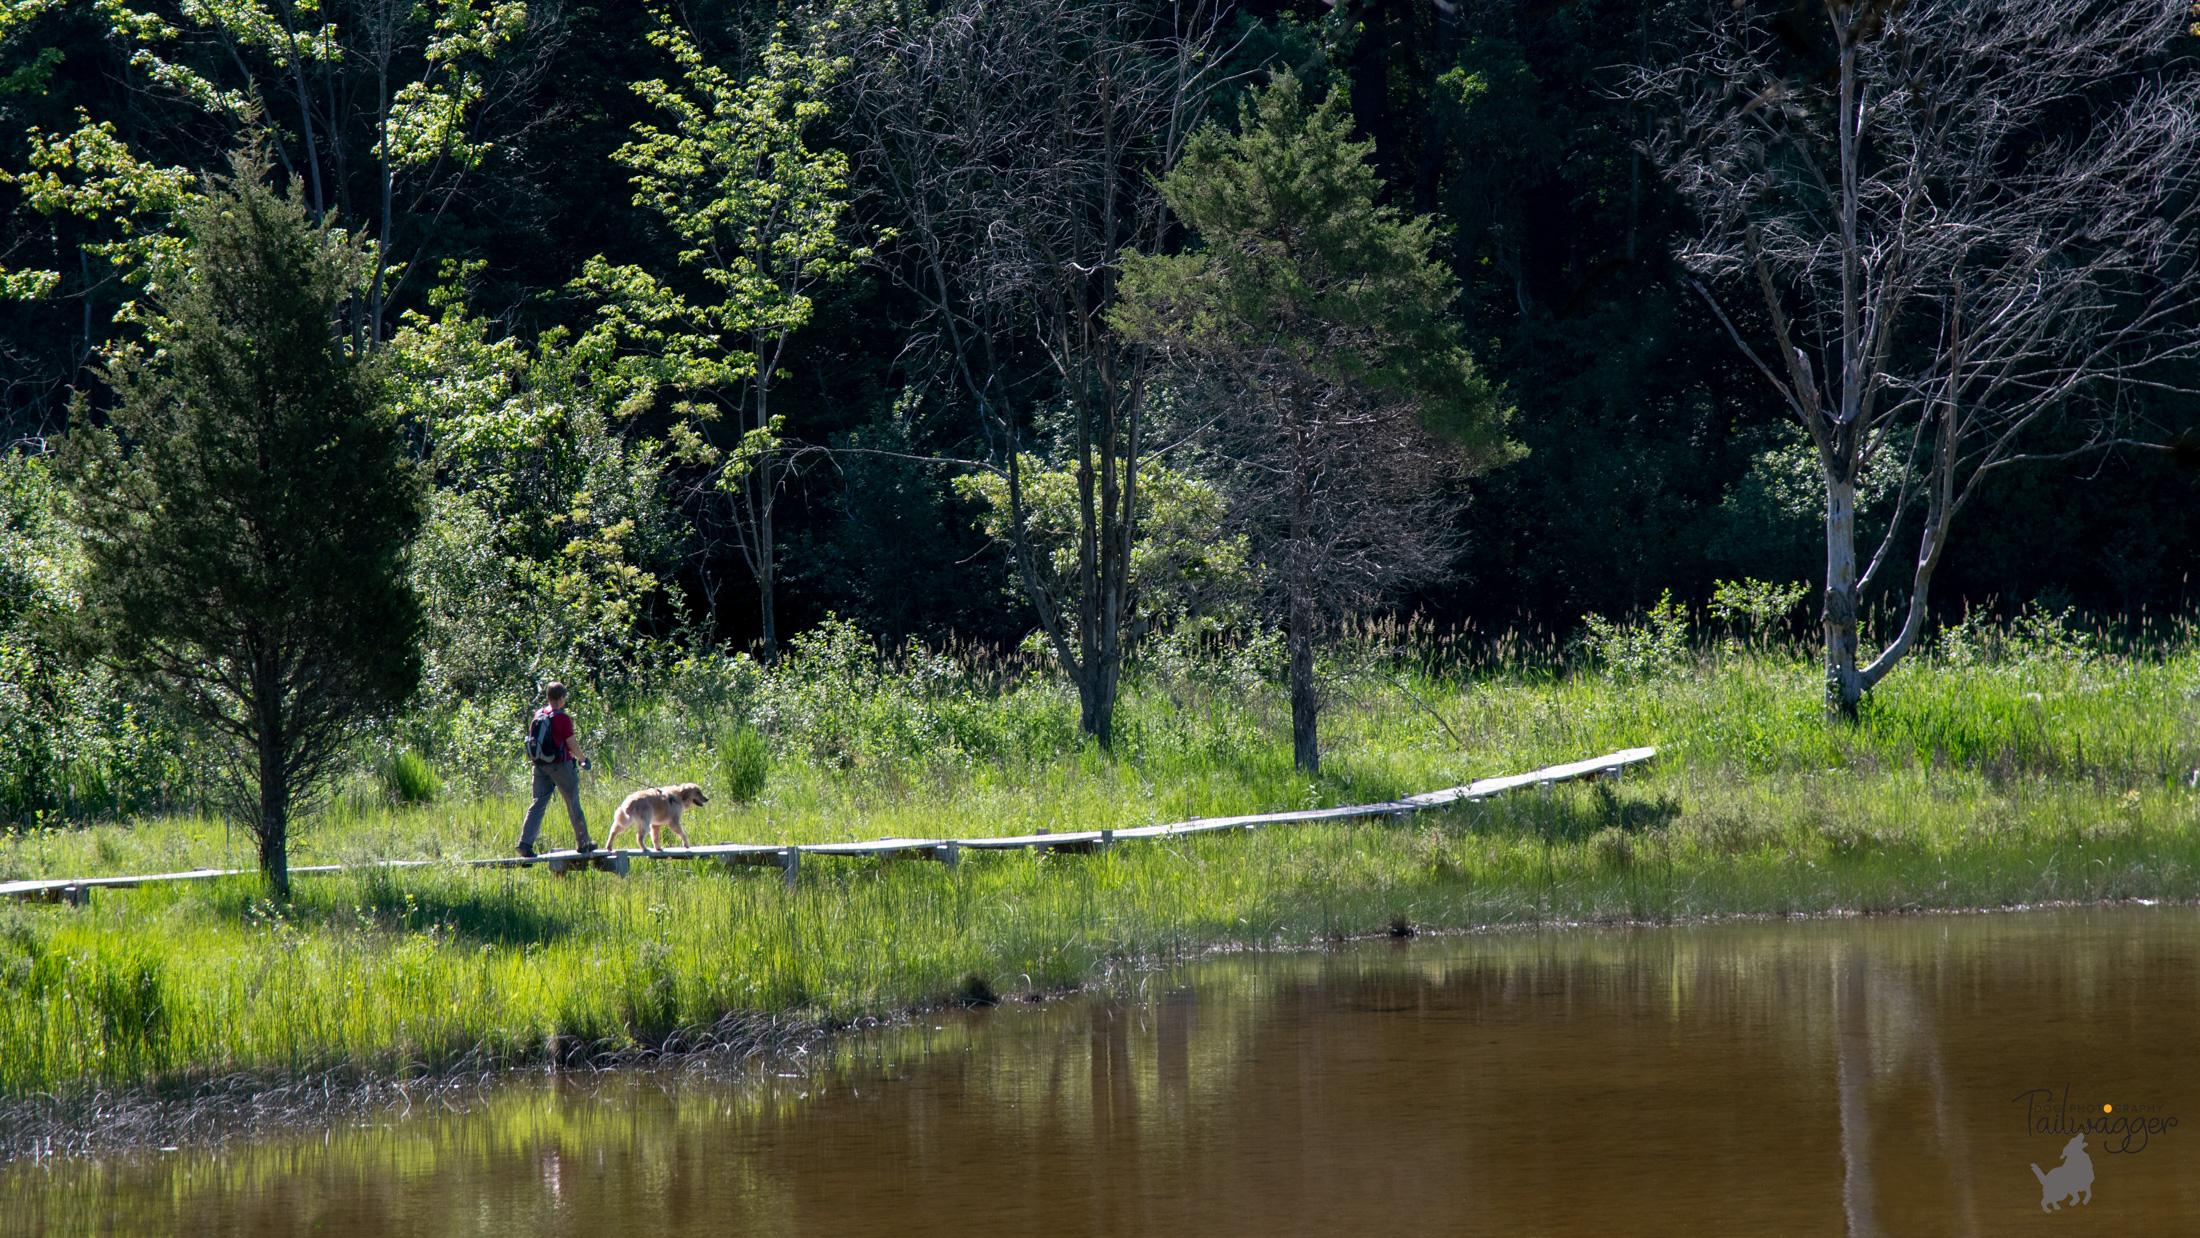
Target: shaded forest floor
[2034,775]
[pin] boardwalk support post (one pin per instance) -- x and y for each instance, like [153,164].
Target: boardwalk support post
[791,860]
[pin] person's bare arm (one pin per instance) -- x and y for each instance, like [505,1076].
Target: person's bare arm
[573,744]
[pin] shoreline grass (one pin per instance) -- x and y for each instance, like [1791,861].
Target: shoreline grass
[2022,781]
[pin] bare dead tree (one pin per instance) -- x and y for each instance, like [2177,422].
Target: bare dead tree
[1930,225]
[1013,150]
[1344,493]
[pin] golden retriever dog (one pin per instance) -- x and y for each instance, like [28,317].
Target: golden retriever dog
[650,806]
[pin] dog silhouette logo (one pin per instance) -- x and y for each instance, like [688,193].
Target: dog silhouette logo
[2069,1180]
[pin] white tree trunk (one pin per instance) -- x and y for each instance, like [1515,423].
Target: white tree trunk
[1844,686]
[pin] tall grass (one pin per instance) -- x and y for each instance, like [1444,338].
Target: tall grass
[408,779]
[2023,772]
[409,969]
[744,765]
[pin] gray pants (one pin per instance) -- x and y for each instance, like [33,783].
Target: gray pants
[565,779]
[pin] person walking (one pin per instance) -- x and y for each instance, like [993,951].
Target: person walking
[557,768]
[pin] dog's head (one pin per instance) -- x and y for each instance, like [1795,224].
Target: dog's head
[688,793]
[2075,1146]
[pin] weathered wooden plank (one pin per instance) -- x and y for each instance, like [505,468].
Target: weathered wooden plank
[1611,762]
[19,889]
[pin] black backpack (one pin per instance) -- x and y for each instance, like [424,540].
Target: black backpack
[541,748]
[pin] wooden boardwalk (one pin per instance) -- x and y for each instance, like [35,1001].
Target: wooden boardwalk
[77,890]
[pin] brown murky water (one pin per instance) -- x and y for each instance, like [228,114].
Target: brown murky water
[1893,1076]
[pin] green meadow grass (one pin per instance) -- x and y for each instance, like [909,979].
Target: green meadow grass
[2027,777]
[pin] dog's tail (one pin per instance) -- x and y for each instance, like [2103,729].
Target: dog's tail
[2037,1174]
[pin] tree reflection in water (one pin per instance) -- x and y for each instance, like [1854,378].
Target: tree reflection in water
[1799,1077]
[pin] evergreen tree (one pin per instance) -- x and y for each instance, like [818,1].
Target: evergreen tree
[1318,324]
[249,507]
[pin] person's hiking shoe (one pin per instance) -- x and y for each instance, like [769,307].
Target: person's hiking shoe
[584,847]
[523,851]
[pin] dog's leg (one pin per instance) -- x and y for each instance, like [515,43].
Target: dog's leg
[618,822]
[675,824]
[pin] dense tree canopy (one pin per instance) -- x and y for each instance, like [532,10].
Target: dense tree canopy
[482,140]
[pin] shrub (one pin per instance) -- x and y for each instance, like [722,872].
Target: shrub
[77,740]
[1655,647]
[744,765]
[2037,636]
[1757,608]
[835,697]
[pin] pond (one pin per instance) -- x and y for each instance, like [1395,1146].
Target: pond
[1900,1075]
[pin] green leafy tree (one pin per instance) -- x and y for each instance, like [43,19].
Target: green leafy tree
[550,532]
[760,211]
[1318,326]
[249,509]
[1181,572]
[385,111]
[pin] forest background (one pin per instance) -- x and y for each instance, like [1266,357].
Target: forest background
[575,523]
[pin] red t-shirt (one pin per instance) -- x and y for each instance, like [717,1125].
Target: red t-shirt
[561,730]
